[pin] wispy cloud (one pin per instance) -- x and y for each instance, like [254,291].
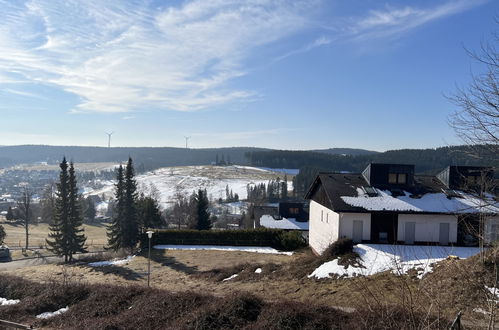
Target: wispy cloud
[393,22]
[321,41]
[123,56]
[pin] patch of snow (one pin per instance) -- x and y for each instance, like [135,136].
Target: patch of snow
[114,262]
[255,249]
[399,259]
[493,291]
[480,310]
[268,221]
[5,302]
[47,315]
[230,278]
[258,270]
[436,202]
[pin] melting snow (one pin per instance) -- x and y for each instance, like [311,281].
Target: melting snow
[47,315]
[4,301]
[114,262]
[256,249]
[230,278]
[399,259]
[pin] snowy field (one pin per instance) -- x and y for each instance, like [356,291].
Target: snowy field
[185,179]
[399,259]
[254,249]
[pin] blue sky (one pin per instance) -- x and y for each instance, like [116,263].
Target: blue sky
[300,74]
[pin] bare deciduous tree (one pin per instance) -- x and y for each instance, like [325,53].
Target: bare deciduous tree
[24,205]
[477,120]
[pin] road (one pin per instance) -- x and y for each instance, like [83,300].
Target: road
[16,264]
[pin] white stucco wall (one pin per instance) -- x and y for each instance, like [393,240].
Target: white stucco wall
[346,224]
[323,227]
[427,226]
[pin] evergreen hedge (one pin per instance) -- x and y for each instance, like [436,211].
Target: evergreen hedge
[276,238]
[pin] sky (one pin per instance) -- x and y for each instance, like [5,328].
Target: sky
[301,74]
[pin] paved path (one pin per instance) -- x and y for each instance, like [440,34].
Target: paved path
[16,264]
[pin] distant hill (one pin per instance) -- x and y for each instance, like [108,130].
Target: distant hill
[427,161]
[145,158]
[346,151]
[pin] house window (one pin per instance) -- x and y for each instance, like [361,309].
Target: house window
[294,210]
[327,217]
[322,215]
[397,178]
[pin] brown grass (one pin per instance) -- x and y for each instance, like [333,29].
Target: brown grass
[285,277]
[136,307]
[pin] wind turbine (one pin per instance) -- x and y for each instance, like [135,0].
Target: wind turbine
[109,139]
[187,141]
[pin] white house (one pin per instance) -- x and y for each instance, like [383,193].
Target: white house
[387,203]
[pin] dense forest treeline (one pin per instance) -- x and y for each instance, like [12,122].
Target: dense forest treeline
[427,161]
[147,158]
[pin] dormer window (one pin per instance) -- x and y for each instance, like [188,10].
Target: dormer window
[397,178]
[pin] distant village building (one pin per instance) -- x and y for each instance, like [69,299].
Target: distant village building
[286,216]
[388,203]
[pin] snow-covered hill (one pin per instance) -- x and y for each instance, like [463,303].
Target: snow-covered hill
[186,179]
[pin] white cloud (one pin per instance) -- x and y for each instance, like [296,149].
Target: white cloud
[124,56]
[392,22]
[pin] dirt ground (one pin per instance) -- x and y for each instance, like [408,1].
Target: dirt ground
[282,277]
[193,271]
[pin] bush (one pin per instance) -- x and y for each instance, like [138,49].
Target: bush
[291,240]
[275,238]
[340,248]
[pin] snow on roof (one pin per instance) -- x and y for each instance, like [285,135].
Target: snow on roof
[268,221]
[431,202]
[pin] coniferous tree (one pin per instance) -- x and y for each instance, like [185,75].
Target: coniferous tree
[202,214]
[2,234]
[66,235]
[284,188]
[131,221]
[115,230]
[76,236]
[149,213]
[10,214]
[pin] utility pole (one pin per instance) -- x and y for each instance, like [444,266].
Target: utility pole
[109,139]
[187,141]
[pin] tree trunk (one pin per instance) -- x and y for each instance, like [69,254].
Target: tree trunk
[27,231]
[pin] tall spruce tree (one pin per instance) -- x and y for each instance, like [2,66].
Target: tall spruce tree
[77,237]
[124,230]
[115,230]
[66,235]
[131,228]
[202,214]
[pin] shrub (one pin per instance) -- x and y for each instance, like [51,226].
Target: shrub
[291,240]
[340,248]
[275,238]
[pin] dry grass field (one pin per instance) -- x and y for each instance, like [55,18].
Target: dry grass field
[282,278]
[96,234]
